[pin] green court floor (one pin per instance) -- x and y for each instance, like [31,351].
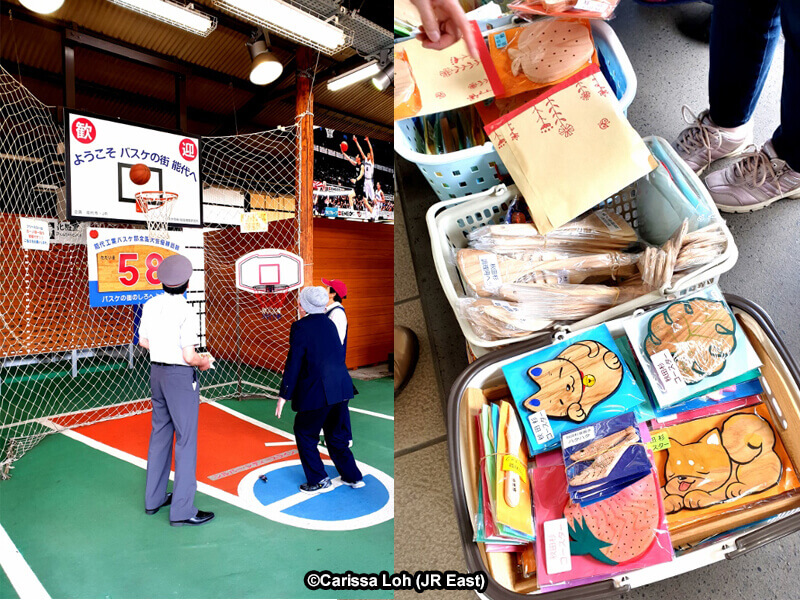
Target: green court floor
[76,515]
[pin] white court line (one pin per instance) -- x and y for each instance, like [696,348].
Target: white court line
[19,573]
[286,443]
[372,414]
[290,501]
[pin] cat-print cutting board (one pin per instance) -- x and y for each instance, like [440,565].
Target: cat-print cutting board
[720,464]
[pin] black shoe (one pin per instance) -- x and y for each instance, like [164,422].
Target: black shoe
[167,502]
[200,518]
[323,486]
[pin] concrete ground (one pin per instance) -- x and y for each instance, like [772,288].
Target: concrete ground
[671,71]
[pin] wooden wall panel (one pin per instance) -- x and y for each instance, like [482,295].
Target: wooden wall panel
[361,255]
[44,300]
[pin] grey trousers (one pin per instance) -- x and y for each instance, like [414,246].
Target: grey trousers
[176,402]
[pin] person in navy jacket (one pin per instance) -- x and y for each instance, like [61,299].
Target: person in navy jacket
[316,381]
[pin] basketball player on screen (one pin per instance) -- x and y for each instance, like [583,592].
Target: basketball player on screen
[377,204]
[369,172]
[353,194]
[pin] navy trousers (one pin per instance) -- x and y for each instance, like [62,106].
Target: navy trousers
[333,422]
[744,34]
[176,404]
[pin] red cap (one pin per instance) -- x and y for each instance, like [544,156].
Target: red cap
[338,286]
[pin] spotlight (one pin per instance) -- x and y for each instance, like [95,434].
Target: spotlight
[384,79]
[43,7]
[266,67]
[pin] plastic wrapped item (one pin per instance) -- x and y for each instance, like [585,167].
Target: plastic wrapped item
[597,232]
[561,387]
[484,272]
[541,53]
[499,320]
[569,302]
[722,464]
[603,457]
[583,9]
[406,95]
[716,408]
[619,534]
[690,347]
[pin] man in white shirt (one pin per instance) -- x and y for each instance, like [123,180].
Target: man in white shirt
[169,330]
[337,291]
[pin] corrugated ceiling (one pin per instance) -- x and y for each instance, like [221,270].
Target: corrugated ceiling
[223,51]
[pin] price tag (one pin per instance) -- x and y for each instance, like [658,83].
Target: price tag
[659,441]
[667,371]
[515,465]
[556,546]
[505,305]
[500,40]
[608,221]
[490,269]
[540,425]
[577,436]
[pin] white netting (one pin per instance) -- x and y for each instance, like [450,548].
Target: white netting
[157,209]
[64,363]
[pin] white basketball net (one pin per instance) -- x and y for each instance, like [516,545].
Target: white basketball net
[157,209]
[64,363]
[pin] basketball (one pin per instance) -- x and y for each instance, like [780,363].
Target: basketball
[343,146]
[140,174]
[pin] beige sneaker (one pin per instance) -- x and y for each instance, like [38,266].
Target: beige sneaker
[703,142]
[755,181]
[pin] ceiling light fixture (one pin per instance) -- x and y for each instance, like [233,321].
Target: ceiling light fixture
[290,22]
[43,7]
[384,79]
[172,13]
[361,73]
[266,67]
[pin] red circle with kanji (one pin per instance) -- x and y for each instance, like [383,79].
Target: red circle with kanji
[188,149]
[84,130]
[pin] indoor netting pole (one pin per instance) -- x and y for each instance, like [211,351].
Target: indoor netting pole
[305,159]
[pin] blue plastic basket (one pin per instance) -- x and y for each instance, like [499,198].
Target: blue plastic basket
[475,170]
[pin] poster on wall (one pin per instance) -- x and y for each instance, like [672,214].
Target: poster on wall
[353,177]
[123,263]
[109,162]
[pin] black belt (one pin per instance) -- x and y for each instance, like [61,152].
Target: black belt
[160,364]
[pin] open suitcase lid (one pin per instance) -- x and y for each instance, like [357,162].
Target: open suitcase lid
[608,588]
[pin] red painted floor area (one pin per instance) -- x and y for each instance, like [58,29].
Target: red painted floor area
[225,442]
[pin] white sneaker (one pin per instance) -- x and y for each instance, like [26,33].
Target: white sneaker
[755,181]
[703,142]
[355,484]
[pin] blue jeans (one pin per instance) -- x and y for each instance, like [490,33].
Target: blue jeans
[333,420]
[744,34]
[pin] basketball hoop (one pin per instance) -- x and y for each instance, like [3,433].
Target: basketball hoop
[157,208]
[329,133]
[271,302]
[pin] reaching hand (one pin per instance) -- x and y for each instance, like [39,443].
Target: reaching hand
[206,364]
[279,408]
[443,24]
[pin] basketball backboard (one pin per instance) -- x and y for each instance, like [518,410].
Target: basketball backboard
[100,154]
[269,270]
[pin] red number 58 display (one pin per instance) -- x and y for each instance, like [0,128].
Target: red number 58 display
[130,268]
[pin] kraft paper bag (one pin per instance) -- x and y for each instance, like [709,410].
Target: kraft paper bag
[449,78]
[570,148]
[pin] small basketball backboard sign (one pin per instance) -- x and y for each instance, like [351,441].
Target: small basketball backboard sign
[270,269]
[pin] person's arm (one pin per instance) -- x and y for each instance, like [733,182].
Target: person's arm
[360,174]
[352,161]
[144,343]
[193,359]
[443,24]
[294,362]
[189,338]
[371,153]
[360,151]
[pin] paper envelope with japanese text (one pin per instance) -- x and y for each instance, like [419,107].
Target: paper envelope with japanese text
[449,78]
[570,148]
